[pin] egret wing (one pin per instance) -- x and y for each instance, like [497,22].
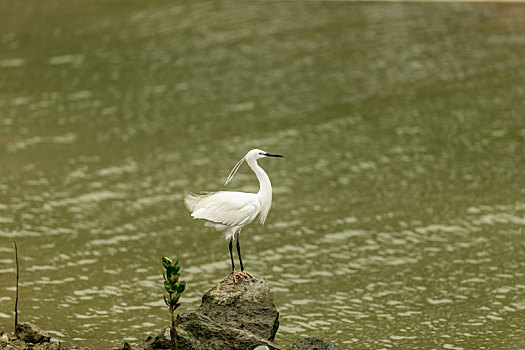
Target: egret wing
[227,208]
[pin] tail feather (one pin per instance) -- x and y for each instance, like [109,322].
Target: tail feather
[191,200]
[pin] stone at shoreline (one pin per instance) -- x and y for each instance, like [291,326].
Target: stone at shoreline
[156,340]
[31,333]
[232,316]
[312,343]
[10,341]
[199,332]
[28,336]
[246,305]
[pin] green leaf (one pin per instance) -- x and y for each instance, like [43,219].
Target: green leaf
[171,271]
[181,287]
[167,286]
[174,279]
[166,261]
[166,300]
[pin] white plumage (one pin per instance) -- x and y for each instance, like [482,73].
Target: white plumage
[224,210]
[230,211]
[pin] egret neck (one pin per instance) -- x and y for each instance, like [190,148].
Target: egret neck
[265,188]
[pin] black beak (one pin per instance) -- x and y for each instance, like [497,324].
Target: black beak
[273,155]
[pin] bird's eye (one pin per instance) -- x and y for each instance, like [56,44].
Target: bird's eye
[262,154]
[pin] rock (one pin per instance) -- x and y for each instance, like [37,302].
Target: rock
[22,345]
[49,346]
[31,333]
[5,337]
[232,316]
[157,340]
[199,332]
[245,305]
[28,336]
[125,346]
[312,343]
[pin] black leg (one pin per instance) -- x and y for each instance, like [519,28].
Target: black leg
[239,251]
[231,254]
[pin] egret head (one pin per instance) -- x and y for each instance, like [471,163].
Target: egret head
[252,154]
[258,154]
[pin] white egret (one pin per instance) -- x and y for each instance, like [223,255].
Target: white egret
[229,211]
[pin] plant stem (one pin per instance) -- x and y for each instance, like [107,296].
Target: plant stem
[171,310]
[172,329]
[17,275]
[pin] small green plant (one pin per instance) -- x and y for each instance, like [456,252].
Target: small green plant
[173,286]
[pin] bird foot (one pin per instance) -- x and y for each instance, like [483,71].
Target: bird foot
[243,275]
[236,274]
[247,274]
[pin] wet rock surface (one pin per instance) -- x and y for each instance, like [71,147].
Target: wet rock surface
[31,333]
[156,340]
[246,305]
[232,316]
[30,336]
[198,331]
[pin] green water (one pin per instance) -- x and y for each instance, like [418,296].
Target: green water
[399,211]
